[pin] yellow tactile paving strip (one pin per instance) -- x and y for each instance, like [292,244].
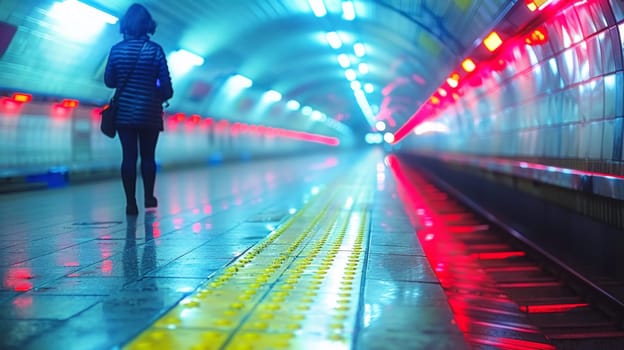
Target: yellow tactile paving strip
[298,288]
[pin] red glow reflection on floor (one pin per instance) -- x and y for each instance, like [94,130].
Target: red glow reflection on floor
[468,228]
[513,344]
[197,227]
[23,302]
[498,255]
[542,309]
[18,279]
[454,266]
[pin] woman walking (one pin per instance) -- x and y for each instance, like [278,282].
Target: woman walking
[137,68]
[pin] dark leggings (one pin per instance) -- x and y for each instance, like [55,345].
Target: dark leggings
[134,140]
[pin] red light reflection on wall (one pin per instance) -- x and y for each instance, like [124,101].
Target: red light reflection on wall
[58,111]
[10,107]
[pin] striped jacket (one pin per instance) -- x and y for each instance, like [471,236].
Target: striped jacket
[140,102]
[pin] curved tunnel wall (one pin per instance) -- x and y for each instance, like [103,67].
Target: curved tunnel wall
[545,129]
[40,141]
[559,103]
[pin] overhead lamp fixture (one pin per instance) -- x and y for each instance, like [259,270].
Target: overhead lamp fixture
[359,49]
[343,60]
[272,96]
[182,61]
[468,65]
[363,68]
[453,80]
[535,5]
[318,116]
[348,11]
[333,39]
[350,74]
[73,10]
[293,105]
[356,85]
[188,57]
[78,21]
[492,41]
[21,97]
[537,37]
[318,7]
[369,88]
[240,81]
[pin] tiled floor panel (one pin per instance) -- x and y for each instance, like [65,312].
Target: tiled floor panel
[296,253]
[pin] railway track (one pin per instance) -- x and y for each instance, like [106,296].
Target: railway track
[505,291]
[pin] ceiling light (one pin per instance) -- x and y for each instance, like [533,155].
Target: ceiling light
[536,4]
[359,49]
[272,96]
[453,80]
[350,74]
[348,11]
[363,68]
[334,40]
[468,65]
[318,8]
[492,41]
[293,105]
[240,81]
[343,60]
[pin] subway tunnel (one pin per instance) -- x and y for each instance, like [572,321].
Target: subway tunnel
[340,174]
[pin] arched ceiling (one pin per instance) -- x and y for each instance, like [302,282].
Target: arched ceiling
[411,47]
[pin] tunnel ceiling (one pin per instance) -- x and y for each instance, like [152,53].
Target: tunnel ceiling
[410,47]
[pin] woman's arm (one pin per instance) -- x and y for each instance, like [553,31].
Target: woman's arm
[110,74]
[164,78]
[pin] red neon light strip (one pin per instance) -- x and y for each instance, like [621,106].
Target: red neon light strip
[468,228]
[550,308]
[497,255]
[413,121]
[300,135]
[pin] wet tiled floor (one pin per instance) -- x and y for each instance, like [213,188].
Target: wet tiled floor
[78,274]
